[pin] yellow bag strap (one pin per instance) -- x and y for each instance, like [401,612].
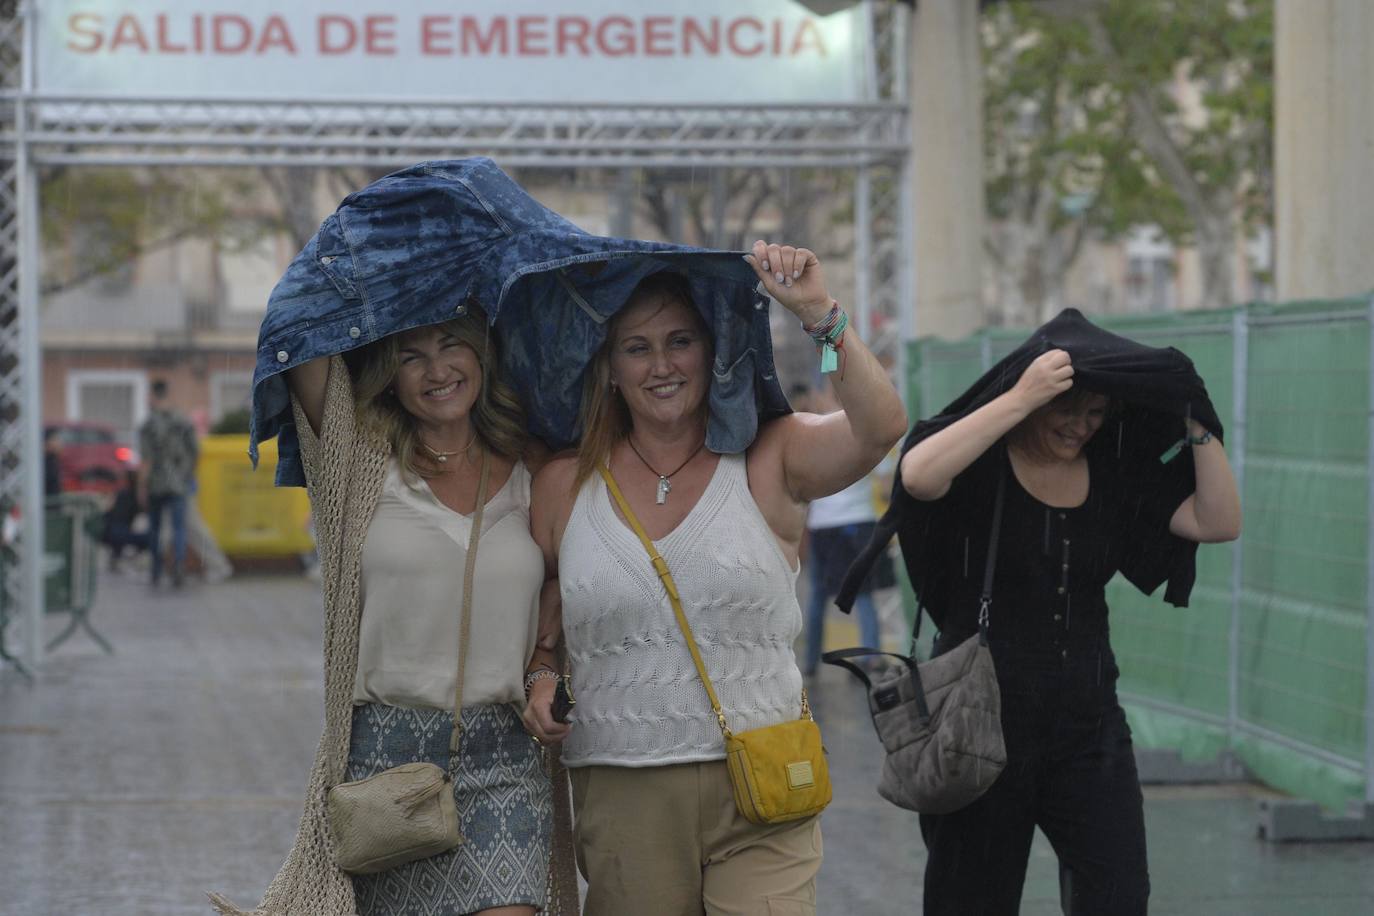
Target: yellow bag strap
[661,567]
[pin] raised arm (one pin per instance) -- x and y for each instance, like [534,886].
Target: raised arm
[1212,514]
[931,465]
[822,455]
[308,382]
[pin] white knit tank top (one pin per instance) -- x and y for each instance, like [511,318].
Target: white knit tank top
[640,701]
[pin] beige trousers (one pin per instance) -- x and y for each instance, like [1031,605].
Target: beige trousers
[668,841]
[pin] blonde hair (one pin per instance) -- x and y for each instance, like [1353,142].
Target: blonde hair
[498,418]
[605,418]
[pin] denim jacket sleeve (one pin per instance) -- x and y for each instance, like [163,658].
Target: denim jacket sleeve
[417,246]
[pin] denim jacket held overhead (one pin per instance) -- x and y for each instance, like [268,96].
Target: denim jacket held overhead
[415,247]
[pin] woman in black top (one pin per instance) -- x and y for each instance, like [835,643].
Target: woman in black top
[1074,515]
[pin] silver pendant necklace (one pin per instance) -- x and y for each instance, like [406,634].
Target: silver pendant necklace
[665,485]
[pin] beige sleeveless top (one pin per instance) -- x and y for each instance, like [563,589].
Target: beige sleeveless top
[412,583]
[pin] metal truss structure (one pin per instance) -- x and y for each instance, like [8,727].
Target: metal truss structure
[37,130]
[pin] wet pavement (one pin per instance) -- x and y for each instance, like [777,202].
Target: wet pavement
[132,783]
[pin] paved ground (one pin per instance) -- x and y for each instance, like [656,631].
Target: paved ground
[131,783]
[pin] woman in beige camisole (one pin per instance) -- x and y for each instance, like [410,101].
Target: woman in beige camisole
[418,413]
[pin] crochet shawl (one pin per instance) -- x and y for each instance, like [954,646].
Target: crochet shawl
[345,469]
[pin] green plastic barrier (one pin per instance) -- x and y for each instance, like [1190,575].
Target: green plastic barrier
[71,535]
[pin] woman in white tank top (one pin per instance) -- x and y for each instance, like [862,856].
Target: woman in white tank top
[657,830]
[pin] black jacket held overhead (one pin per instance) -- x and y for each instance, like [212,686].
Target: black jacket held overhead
[1153,391]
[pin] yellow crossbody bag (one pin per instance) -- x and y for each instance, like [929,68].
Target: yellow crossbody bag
[778,772]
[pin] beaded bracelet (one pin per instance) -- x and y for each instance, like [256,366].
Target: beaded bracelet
[828,334]
[542,673]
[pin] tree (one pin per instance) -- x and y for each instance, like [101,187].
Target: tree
[1088,136]
[297,198]
[98,221]
[723,209]
[1052,139]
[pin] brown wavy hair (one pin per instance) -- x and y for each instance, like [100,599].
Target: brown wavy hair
[1075,399]
[605,418]
[498,417]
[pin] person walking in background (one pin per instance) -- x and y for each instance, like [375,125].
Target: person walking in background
[169,453]
[214,565]
[52,462]
[119,530]
[838,526]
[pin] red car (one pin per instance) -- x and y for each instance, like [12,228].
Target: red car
[92,458]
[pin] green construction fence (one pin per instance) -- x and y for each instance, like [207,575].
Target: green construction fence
[1272,659]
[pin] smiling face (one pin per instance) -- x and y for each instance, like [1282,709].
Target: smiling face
[660,360]
[1064,426]
[438,377]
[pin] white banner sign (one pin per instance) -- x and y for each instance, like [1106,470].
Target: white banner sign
[717,51]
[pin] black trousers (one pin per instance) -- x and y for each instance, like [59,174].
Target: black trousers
[1071,772]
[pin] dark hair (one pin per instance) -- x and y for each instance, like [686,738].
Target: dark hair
[1077,396]
[159,388]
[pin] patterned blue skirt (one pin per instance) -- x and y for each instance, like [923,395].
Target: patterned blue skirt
[505,807]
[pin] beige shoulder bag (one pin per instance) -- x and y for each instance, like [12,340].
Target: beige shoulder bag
[407,812]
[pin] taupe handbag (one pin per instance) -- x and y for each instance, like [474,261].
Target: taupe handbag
[407,812]
[940,721]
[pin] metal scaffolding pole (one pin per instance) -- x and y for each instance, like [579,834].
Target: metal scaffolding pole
[39,129]
[863,255]
[1369,577]
[1240,380]
[31,409]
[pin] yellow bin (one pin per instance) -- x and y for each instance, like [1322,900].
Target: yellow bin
[247,514]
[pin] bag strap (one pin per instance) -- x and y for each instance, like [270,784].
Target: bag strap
[661,567]
[920,711]
[985,602]
[465,624]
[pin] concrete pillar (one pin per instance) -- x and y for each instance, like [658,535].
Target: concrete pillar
[945,90]
[1324,147]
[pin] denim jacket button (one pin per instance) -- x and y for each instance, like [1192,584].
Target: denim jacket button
[283,356]
[355,333]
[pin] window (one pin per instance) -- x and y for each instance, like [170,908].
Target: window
[1149,272]
[229,391]
[114,396]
